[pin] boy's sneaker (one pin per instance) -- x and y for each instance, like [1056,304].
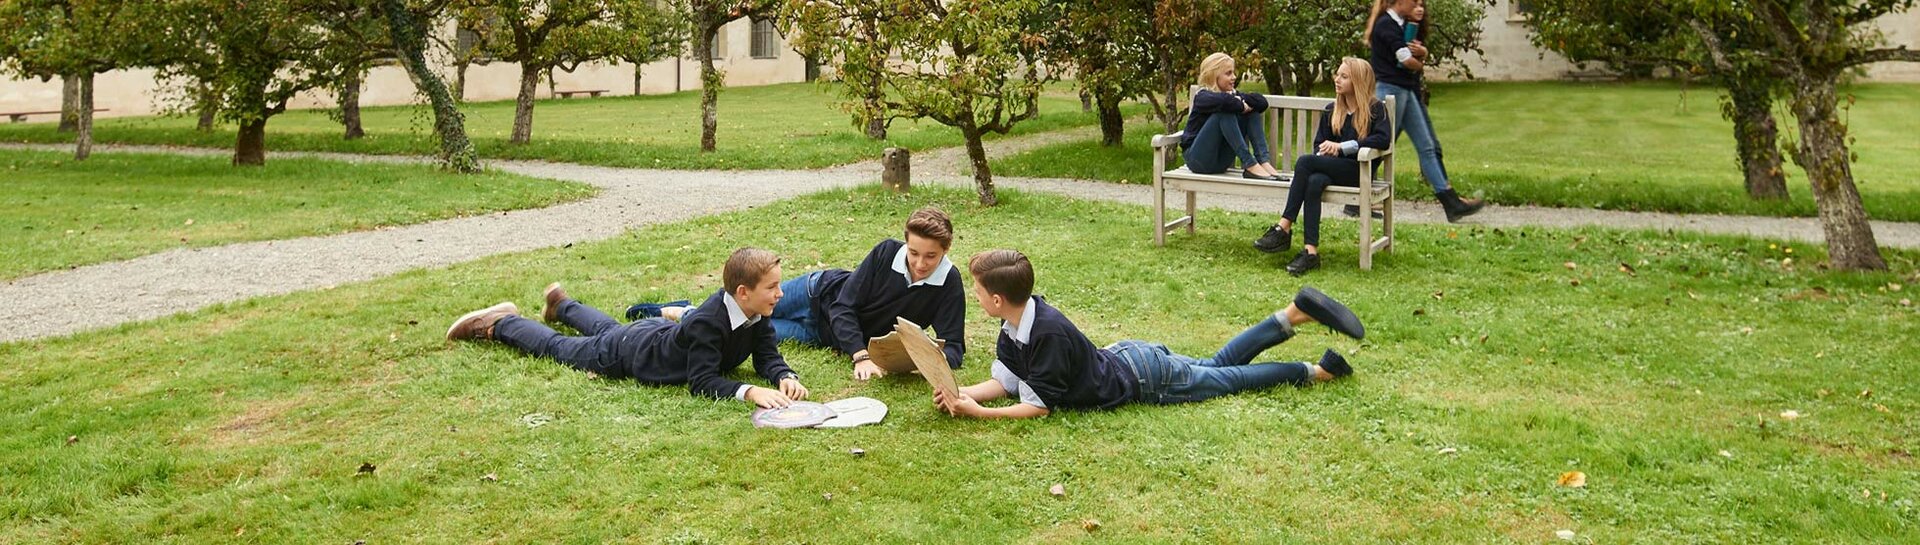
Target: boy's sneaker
[1327,311]
[478,325]
[652,310]
[1304,262]
[1335,365]
[1276,240]
[555,297]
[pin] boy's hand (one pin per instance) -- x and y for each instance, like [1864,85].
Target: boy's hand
[962,405]
[867,370]
[1419,49]
[768,398]
[792,389]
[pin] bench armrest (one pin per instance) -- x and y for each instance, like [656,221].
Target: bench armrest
[1164,140]
[1370,154]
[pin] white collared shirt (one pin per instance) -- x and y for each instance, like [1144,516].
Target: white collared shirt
[1024,331]
[938,278]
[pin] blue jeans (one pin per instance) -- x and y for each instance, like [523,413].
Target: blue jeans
[1225,136]
[793,315]
[1413,121]
[1166,378]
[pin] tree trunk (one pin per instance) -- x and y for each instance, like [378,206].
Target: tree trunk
[1756,137]
[350,105]
[207,112]
[1113,127]
[250,148]
[636,79]
[1823,153]
[710,81]
[523,105]
[83,143]
[1086,101]
[877,122]
[1170,115]
[1275,77]
[982,175]
[456,151]
[460,81]
[69,103]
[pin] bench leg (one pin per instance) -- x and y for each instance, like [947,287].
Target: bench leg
[1386,223]
[1366,233]
[1192,218]
[1159,210]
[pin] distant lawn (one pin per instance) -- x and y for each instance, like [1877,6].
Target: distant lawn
[56,213]
[1487,373]
[764,127]
[1642,146]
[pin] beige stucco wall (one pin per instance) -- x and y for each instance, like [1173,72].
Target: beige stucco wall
[1901,29]
[1506,53]
[136,92]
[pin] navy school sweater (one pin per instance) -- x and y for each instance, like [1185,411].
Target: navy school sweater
[1064,368]
[851,307]
[1206,103]
[701,347]
[1388,37]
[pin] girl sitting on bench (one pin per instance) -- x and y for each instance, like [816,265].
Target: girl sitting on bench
[1225,124]
[1363,123]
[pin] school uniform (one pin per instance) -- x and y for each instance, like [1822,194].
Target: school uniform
[713,339]
[842,309]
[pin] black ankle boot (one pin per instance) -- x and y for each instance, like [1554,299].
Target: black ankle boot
[1304,262]
[1457,207]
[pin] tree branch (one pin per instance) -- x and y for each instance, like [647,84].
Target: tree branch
[1899,54]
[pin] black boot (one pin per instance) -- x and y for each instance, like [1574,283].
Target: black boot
[1276,240]
[1305,261]
[1457,207]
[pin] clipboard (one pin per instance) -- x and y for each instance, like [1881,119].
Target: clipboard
[889,352]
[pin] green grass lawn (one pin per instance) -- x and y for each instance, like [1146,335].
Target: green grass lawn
[58,213]
[764,127]
[1665,386]
[1640,146]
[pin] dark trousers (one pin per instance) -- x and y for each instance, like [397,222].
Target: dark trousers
[1312,174]
[601,348]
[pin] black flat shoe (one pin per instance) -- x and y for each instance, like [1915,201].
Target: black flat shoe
[1335,365]
[1352,211]
[1251,176]
[1327,311]
[1276,240]
[1303,262]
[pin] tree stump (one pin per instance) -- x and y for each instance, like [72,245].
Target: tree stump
[896,172]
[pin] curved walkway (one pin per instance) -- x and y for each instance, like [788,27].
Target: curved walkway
[106,294]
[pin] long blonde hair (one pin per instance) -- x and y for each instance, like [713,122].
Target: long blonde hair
[1210,70]
[1358,100]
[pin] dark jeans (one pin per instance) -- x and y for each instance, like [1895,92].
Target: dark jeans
[1225,136]
[1166,378]
[1312,174]
[602,348]
[793,315]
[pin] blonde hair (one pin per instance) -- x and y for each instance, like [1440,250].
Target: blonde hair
[1358,100]
[746,267]
[1210,70]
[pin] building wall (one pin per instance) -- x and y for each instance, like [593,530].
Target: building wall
[1506,53]
[137,92]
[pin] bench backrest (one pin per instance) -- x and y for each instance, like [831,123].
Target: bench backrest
[1291,121]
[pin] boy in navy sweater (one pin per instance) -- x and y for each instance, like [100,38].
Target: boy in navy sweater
[1043,361]
[731,326]
[841,309]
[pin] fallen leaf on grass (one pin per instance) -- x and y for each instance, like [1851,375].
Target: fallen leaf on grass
[490,477]
[1572,479]
[1571,265]
[366,468]
[1565,535]
[1789,414]
[189,221]
[1726,454]
[1090,524]
[1625,268]
[535,420]
[858,452]
[1058,490]
[1448,450]
[71,439]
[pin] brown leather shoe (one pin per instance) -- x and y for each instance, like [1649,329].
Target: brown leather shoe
[555,296]
[478,325]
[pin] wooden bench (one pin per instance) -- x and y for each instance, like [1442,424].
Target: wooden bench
[589,92]
[1290,123]
[21,117]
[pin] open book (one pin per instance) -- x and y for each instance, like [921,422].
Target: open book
[908,348]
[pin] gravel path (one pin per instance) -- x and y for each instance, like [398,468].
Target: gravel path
[106,294]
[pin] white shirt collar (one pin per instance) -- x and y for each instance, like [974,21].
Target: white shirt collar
[938,278]
[736,317]
[1396,17]
[1025,332]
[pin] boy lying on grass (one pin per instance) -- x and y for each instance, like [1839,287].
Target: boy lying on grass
[1042,360]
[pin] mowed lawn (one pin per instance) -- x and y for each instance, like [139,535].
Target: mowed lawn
[1617,146]
[1710,389]
[785,126]
[57,213]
